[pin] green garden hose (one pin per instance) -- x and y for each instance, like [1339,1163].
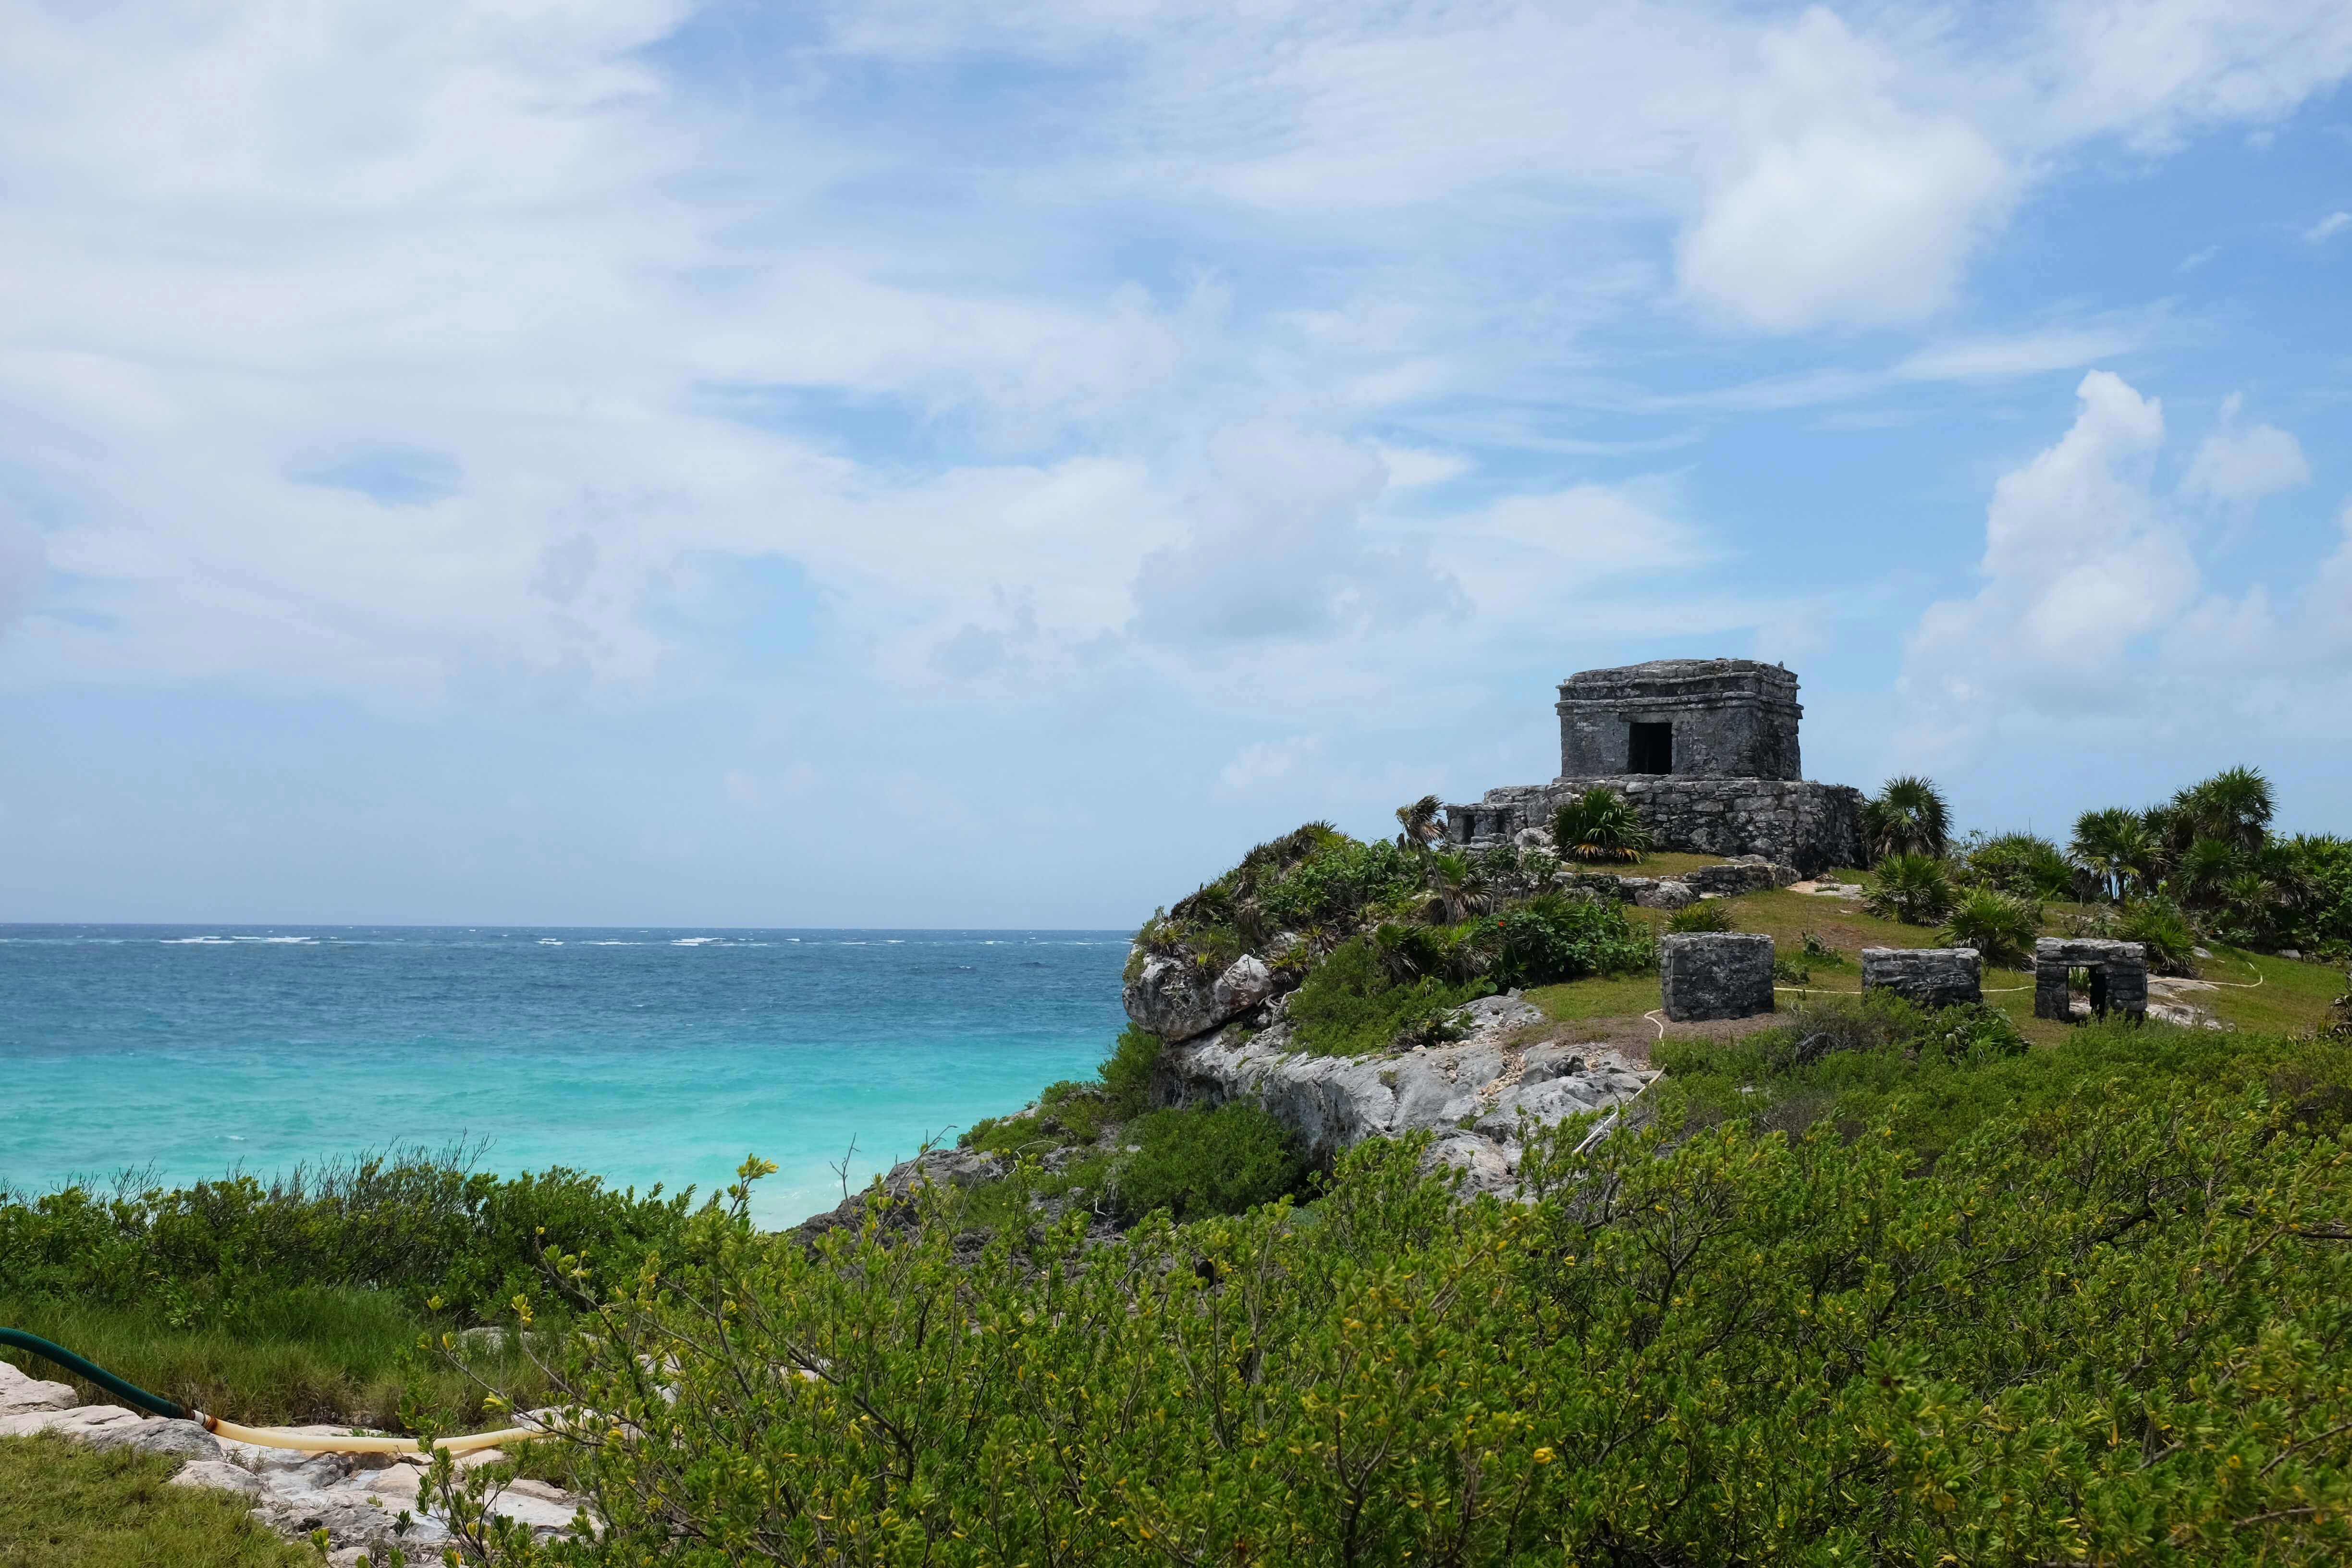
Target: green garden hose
[261,1436]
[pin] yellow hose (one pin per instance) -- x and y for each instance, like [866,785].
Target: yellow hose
[333,1443]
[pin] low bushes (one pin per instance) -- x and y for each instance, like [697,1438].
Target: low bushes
[2108,1326]
[1351,1004]
[1196,1163]
[1552,938]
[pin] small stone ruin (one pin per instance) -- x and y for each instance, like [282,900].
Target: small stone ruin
[2118,977]
[1715,974]
[1930,976]
[1704,749]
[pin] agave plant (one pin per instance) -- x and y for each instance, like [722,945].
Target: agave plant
[1908,817]
[1914,889]
[2001,926]
[1599,826]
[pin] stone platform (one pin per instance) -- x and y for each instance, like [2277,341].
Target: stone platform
[1796,822]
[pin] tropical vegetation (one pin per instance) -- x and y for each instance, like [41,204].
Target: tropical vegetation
[2202,866]
[1874,1287]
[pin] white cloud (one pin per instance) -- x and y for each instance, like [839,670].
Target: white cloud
[1838,202]
[2328,227]
[636,331]
[2078,565]
[2247,464]
[2095,612]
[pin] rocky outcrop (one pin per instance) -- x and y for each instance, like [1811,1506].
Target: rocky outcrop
[1178,1000]
[1472,1094]
[1747,874]
[936,1168]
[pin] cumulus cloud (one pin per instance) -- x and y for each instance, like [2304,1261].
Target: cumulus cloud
[2246,465]
[2094,608]
[1838,201]
[456,359]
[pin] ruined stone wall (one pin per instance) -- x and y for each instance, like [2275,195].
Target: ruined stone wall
[1811,826]
[1730,718]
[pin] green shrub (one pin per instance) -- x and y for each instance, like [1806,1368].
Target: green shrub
[2024,865]
[2157,924]
[1707,914]
[1599,826]
[1553,937]
[423,1228]
[1196,1163]
[2001,926]
[1820,953]
[1914,889]
[1126,1072]
[1351,1004]
[2110,1333]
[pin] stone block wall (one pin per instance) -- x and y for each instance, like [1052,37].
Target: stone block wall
[1811,826]
[1729,718]
[2118,976]
[1931,977]
[1715,974]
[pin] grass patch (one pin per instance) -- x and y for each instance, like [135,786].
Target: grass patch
[65,1505]
[2292,997]
[343,1356]
[1933,1078]
[1652,863]
[1601,997]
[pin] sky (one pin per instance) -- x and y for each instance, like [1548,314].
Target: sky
[918,463]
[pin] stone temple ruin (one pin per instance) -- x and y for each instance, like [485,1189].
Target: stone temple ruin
[1706,749]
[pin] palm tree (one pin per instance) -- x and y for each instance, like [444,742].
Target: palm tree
[2233,805]
[1909,816]
[1599,826]
[2113,846]
[1460,887]
[2208,868]
[1420,824]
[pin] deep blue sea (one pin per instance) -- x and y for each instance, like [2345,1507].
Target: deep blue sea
[642,1055]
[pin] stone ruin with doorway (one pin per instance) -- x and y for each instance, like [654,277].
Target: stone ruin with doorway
[1706,749]
[2114,976]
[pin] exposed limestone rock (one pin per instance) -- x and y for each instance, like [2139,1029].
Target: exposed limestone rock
[178,1439]
[219,1475]
[1473,1092]
[20,1393]
[1179,1001]
[1661,892]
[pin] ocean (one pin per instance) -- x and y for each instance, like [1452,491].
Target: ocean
[642,1055]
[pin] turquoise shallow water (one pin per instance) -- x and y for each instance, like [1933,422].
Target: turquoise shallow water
[642,1055]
